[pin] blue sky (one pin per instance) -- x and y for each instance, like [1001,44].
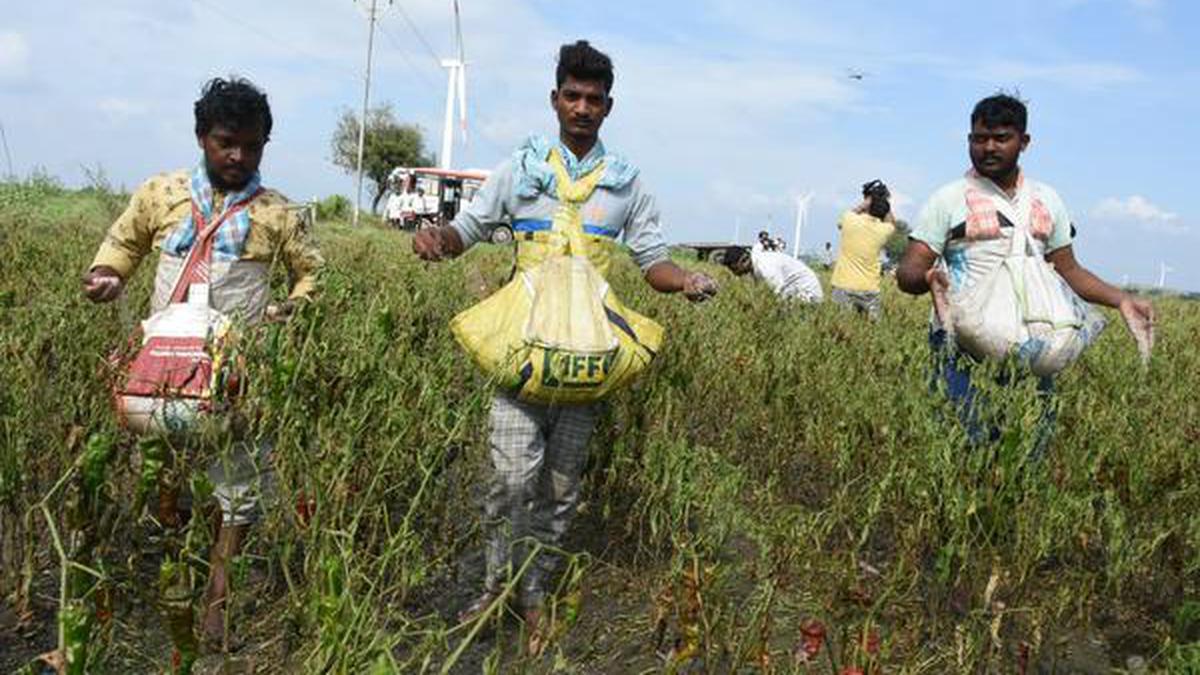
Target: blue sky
[732,108]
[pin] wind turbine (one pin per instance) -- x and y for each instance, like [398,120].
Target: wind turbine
[1162,274]
[456,91]
[802,202]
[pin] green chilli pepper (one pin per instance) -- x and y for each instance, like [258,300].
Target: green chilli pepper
[175,598]
[95,463]
[76,626]
[153,460]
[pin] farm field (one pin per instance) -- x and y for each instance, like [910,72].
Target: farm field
[776,468]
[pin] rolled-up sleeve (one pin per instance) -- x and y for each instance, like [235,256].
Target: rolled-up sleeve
[487,209]
[302,257]
[131,236]
[933,226]
[643,231]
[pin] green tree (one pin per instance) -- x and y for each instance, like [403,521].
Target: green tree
[388,144]
[898,241]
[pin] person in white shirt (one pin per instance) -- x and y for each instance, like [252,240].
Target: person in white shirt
[398,208]
[790,278]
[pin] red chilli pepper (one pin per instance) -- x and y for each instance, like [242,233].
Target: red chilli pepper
[870,642]
[305,508]
[813,633]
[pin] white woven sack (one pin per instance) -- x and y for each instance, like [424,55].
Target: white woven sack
[1023,307]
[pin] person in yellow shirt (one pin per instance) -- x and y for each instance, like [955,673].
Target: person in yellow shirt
[864,232]
[233,124]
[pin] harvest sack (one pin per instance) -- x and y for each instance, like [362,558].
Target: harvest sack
[556,333]
[1022,307]
[172,378]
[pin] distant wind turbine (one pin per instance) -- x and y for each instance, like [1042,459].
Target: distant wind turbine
[456,92]
[1162,274]
[802,202]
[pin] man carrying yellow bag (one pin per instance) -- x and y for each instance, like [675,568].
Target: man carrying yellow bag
[556,339]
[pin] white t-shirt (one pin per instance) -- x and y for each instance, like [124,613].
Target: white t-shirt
[942,225]
[395,207]
[787,276]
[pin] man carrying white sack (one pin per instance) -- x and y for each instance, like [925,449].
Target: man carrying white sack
[972,238]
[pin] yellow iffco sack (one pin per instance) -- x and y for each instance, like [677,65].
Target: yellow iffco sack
[556,333]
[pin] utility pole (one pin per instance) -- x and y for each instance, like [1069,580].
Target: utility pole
[7,155]
[362,123]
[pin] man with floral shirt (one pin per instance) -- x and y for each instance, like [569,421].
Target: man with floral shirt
[233,125]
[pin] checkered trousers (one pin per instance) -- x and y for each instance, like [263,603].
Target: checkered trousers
[538,455]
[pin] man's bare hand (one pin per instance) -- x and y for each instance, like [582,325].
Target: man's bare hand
[937,280]
[1139,319]
[939,289]
[281,312]
[698,287]
[429,245]
[102,284]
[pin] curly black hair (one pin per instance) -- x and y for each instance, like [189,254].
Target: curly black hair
[1001,110]
[233,103]
[582,61]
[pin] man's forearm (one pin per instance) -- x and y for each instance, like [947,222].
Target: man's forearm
[912,281]
[912,276]
[666,277]
[452,243]
[106,271]
[1091,287]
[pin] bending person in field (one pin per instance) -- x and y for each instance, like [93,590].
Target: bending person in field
[789,277]
[538,452]
[864,232]
[233,125]
[963,233]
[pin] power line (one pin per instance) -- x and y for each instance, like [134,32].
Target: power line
[404,54]
[281,43]
[420,37]
[501,151]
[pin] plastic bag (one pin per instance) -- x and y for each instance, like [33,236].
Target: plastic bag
[556,333]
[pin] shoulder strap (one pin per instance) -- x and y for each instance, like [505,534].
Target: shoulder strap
[195,269]
[574,191]
[571,195]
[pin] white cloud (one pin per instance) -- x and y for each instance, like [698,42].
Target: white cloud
[1147,6]
[14,56]
[120,108]
[1149,216]
[1075,75]
[902,204]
